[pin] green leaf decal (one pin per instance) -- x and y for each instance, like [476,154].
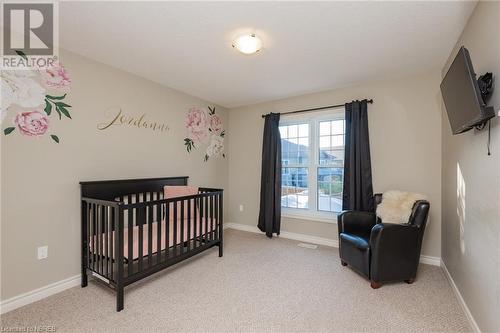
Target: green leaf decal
[64,111]
[189,144]
[55,97]
[8,130]
[59,112]
[21,53]
[55,138]
[48,107]
[62,104]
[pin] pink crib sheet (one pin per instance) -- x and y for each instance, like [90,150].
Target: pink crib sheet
[196,229]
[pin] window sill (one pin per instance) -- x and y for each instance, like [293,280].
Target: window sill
[310,216]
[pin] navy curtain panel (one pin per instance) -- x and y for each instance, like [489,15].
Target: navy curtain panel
[358,188]
[270,184]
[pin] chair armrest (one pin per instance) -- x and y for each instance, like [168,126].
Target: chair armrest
[356,222]
[395,251]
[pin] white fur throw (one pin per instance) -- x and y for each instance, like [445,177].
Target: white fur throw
[396,206]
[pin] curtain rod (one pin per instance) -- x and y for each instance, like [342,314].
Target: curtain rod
[369,101]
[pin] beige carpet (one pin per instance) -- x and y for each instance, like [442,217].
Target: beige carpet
[260,285]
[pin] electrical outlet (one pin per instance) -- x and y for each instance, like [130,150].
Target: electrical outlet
[43,252]
[241,208]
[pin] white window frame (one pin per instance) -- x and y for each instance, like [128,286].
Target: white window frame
[312,213]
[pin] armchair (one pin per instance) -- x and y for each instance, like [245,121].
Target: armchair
[382,252]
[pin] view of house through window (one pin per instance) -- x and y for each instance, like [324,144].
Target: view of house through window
[313,164]
[331,165]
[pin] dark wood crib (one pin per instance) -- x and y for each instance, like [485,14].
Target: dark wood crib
[131,231]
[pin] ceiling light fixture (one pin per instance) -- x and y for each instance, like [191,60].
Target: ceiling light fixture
[247,44]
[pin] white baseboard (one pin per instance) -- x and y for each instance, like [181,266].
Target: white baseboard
[435,261]
[38,294]
[460,299]
[286,234]
[429,260]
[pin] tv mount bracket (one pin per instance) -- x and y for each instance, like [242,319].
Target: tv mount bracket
[485,83]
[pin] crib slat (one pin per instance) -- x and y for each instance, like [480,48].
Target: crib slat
[106,254]
[195,219]
[206,219]
[130,255]
[202,226]
[94,235]
[140,222]
[149,211]
[182,227]
[189,225]
[102,239]
[112,227]
[212,216]
[167,231]
[98,238]
[216,216]
[158,233]
[89,235]
[175,207]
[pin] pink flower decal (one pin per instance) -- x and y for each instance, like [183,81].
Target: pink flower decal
[33,123]
[201,126]
[197,125]
[34,89]
[215,124]
[56,77]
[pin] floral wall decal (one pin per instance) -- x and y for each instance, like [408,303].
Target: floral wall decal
[38,93]
[205,128]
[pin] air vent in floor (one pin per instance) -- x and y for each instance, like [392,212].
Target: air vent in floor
[308,246]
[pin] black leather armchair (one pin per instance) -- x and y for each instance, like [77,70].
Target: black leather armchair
[380,251]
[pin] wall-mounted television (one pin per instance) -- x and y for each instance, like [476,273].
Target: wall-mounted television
[464,105]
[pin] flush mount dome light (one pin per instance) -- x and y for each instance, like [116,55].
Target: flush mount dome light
[247,44]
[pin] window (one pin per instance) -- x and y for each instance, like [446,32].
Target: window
[295,165]
[312,155]
[330,165]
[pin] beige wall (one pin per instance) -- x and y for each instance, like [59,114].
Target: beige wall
[405,130]
[40,191]
[472,255]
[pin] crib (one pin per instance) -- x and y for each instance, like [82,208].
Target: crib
[131,229]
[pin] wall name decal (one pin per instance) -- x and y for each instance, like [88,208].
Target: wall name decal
[119,118]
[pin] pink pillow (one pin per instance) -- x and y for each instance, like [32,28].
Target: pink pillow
[172,191]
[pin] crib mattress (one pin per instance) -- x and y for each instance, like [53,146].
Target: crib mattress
[196,229]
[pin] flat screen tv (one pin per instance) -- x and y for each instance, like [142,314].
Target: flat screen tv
[462,97]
